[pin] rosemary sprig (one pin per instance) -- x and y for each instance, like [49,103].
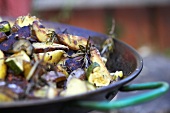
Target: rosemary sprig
[86,53]
[52,37]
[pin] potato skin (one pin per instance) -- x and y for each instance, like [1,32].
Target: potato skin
[72,41]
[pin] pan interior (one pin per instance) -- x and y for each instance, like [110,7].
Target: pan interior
[123,58]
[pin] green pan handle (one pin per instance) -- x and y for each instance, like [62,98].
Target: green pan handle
[159,88]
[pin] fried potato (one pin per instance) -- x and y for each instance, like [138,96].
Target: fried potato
[25,20]
[72,41]
[40,31]
[3,66]
[52,57]
[100,75]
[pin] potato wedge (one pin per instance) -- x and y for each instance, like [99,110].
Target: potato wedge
[3,71]
[75,86]
[40,31]
[100,75]
[2,57]
[46,92]
[25,20]
[3,66]
[52,57]
[72,41]
[42,47]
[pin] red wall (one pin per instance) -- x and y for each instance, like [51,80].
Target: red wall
[136,26]
[15,8]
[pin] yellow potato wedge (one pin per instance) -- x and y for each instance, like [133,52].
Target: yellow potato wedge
[52,57]
[46,92]
[72,41]
[25,20]
[3,67]
[100,75]
[3,71]
[40,32]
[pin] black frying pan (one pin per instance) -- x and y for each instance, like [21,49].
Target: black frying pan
[124,58]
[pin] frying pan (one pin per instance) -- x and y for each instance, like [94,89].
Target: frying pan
[124,58]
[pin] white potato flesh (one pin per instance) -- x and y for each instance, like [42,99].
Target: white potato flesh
[41,47]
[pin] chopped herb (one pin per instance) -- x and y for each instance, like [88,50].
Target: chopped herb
[91,67]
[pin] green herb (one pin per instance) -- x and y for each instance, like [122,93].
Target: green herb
[108,45]
[5,26]
[52,37]
[86,53]
[91,67]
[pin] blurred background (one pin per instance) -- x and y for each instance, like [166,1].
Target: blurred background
[138,22]
[143,24]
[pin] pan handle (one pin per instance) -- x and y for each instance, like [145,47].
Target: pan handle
[159,88]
